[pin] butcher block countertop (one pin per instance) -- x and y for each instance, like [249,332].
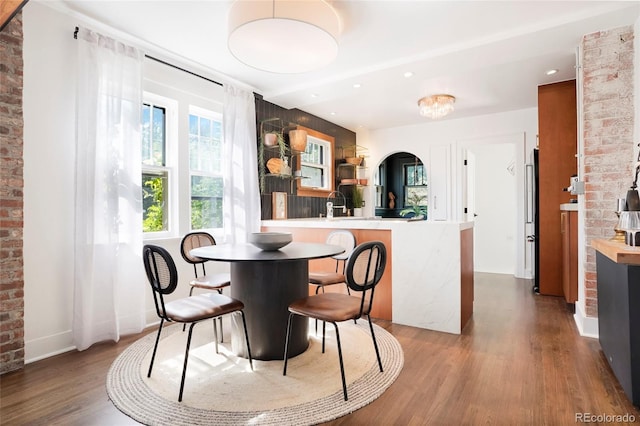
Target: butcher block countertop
[617,251]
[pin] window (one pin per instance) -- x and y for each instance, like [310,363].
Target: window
[205,169]
[155,174]
[316,165]
[415,174]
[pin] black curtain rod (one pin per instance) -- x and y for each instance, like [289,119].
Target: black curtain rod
[75,35]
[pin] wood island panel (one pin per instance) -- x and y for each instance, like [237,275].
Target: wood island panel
[466,276]
[382,302]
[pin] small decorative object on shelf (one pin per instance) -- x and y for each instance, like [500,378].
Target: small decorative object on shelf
[285,170]
[298,140]
[275,165]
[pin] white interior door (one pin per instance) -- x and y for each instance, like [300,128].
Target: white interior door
[491,195]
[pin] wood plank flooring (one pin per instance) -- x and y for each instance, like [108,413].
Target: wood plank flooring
[520,361]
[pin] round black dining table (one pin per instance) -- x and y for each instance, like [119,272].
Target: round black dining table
[267,282]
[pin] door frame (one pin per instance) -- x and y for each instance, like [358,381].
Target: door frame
[523,265]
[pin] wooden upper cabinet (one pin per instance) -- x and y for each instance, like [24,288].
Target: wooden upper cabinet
[557,140]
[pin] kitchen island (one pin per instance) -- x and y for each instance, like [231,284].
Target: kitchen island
[618,281]
[428,282]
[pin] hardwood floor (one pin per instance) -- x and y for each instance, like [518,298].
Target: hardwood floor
[519,361]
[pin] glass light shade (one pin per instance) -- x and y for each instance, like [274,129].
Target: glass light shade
[629,221]
[436,106]
[283,36]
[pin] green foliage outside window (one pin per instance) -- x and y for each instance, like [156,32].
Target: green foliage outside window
[206,202]
[153,190]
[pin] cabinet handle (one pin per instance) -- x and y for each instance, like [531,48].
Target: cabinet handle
[435,202]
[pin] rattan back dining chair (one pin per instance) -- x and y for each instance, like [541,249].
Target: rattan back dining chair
[345,239]
[202,280]
[163,278]
[210,282]
[363,272]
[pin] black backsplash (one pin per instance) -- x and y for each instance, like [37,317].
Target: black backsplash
[297,207]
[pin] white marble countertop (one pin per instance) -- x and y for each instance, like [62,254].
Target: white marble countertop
[363,223]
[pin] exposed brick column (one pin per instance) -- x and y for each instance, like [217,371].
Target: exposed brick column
[11,198]
[608,138]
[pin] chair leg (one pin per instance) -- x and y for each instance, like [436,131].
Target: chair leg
[246,336]
[220,321]
[375,343]
[153,356]
[186,359]
[317,290]
[344,381]
[286,344]
[323,333]
[215,334]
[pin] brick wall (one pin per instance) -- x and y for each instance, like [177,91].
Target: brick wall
[608,138]
[11,185]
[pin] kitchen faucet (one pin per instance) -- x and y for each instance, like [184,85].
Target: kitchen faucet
[330,205]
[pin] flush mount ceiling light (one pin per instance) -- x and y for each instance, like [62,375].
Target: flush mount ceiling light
[283,36]
[436,106]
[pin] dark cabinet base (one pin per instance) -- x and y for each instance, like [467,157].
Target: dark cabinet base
[619,321]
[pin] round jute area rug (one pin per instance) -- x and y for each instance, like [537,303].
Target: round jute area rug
[221,389]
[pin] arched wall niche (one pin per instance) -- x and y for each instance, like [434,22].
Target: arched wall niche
[396,177]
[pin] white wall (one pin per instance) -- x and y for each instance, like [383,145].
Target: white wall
[459,134]
[49,164]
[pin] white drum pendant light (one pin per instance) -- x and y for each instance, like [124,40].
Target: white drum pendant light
[283,36]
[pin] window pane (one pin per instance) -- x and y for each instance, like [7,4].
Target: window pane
[313,153]
[153,135]
[415,175]
[154,202]
[206,202]
[205,145]
[315,164]
[314,176]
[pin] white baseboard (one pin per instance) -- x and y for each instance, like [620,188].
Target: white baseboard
[587,326]
[48,346]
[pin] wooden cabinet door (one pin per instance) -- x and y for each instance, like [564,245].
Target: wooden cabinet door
[557,126]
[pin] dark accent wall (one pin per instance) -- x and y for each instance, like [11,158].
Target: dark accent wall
[298,207]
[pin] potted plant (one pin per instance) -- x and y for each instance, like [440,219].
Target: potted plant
[418,211]
[358,201]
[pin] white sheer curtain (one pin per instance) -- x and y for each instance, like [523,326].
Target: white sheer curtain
[241,195]
[110,283]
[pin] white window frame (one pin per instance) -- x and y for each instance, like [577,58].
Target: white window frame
[326,166]
[170,168]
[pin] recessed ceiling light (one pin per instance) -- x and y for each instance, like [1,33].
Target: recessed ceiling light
[408,74]
[552,72]
[332,113]
[356,86]
[314,95]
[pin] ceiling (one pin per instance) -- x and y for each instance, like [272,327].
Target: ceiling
[490,55]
